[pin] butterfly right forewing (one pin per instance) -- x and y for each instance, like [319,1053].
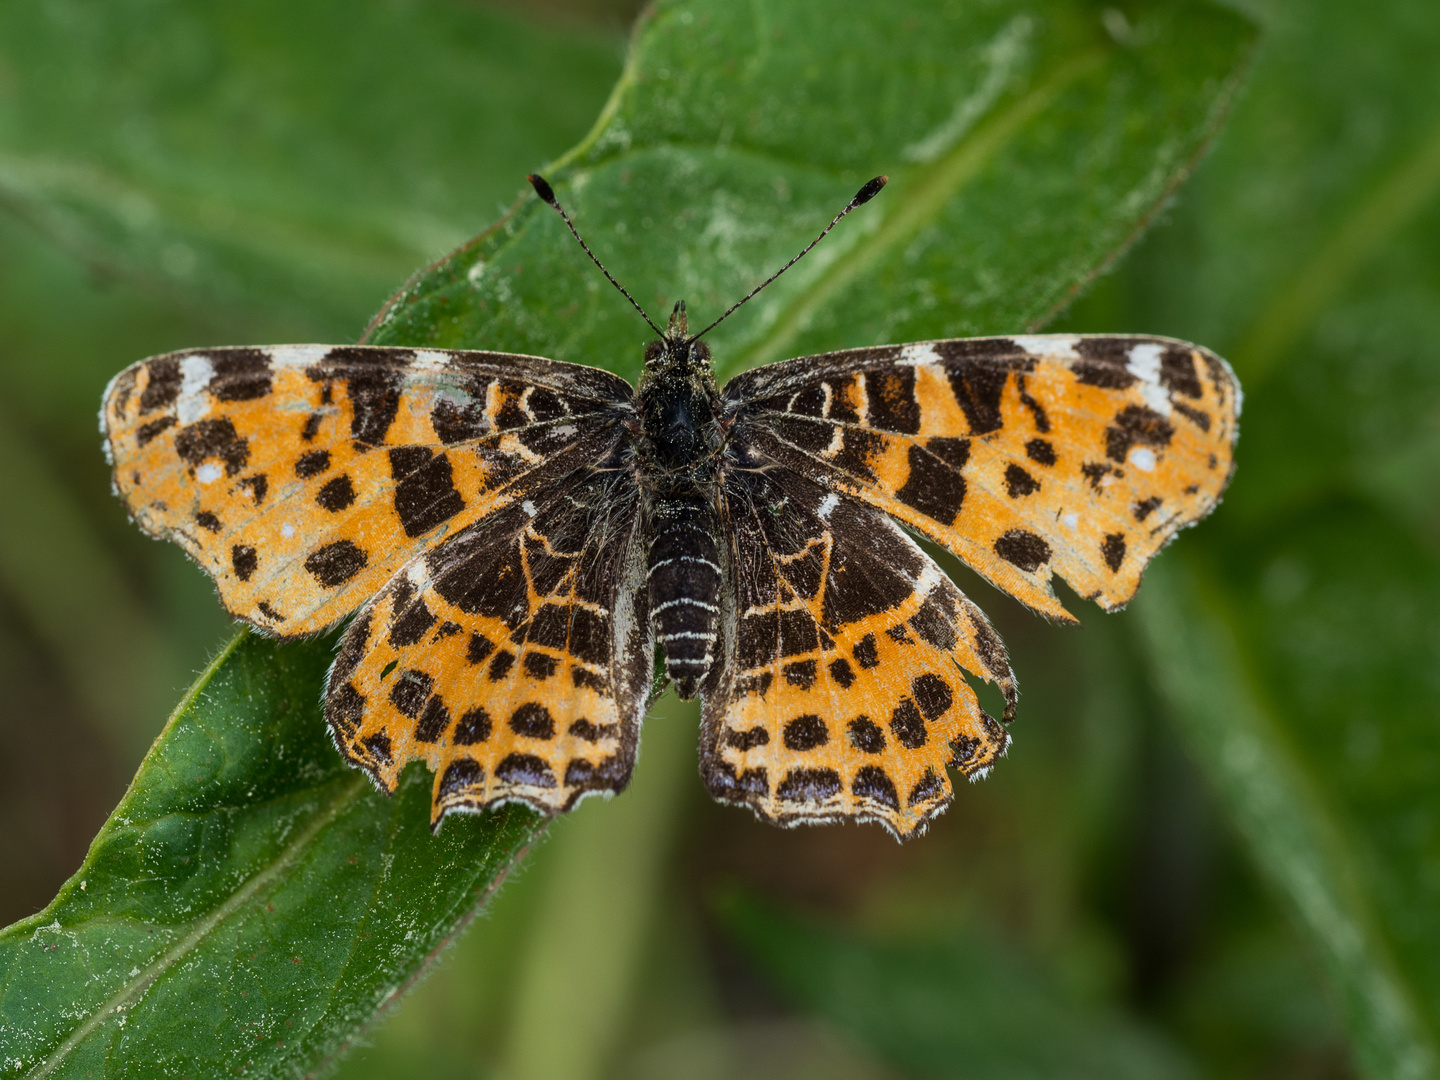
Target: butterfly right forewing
[1025,456]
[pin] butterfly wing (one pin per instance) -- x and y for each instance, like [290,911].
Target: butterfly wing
[515,659]
[302,477]
[1025,456]
[839,688]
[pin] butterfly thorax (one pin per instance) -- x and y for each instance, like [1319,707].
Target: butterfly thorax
[677,449]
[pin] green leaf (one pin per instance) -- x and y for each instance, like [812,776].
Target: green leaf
[290,156]
[1298,649]
[947,1008]
[1295,801]
[1028,142]
[1026,145]
[252,902]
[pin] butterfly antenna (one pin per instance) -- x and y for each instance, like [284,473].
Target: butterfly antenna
[546,192]
[864,195]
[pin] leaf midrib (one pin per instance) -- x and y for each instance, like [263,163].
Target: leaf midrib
[347,789]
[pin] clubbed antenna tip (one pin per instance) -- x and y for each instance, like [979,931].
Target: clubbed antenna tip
[864,195]
[546,192]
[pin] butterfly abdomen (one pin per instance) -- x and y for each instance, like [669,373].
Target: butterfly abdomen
[684,576]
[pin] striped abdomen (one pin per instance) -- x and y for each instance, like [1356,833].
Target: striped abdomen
[684,569]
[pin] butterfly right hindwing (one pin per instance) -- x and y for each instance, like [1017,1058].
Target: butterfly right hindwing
[840,690]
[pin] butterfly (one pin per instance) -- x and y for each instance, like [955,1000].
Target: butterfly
[529,550]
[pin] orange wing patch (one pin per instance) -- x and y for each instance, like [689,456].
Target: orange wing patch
[302,477]
[1026,457]
[515,660]
[841,693]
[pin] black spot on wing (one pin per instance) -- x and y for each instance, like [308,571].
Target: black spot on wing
[1104,363]
[977,379]
[533,721]
[858,453]
[748,739]
[1113,550]
[462,776]
[244,560]
[892,403]
[866,736]
[257,485]
[866,652]
[455,422]
[872,783]
[1136,424]
[372,381]
[932,487]
[525,769]
[1019,483]
[932,694]
[425,494]
[312,464]
[147,432]
[806,733]
[809,785]
[163,386]
[334,564]
[1040,451]
[433,720]
[412,620]
[908,725]
[1199,417]
[240,374]
[473,727]
[1024,549]
[1145,507]
[1177,371]
[336,494]
[411,691]
[213,439]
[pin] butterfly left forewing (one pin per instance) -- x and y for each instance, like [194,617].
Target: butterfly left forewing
[839,690]
[301,477]
[515,659]
[1026,456]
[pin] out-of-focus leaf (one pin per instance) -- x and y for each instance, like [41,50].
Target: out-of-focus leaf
[947,1008]
[304,156]
[1299,654]
[251,903]
[1026,145]
[1028,141]
[1296,801]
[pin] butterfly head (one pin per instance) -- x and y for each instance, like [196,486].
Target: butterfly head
[675,350]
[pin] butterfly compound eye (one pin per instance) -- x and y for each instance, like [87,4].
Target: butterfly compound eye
[654,351]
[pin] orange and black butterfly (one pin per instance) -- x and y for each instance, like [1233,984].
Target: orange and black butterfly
[530,549]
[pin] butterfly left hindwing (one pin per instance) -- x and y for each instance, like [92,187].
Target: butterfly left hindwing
[515,658]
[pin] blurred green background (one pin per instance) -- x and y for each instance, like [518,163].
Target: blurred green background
[1115,900]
